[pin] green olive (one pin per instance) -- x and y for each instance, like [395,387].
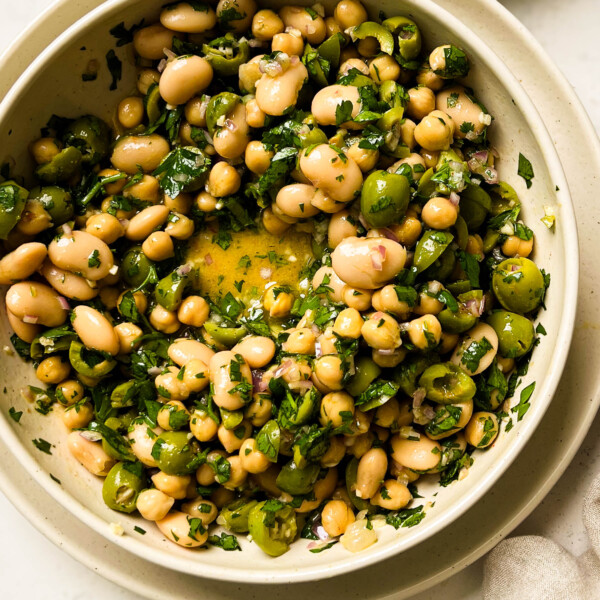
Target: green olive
[365,372]
[456,322]
[503,198]
[446,383]
[315,136]
[442,267]
[220,106]
[515,333]
[392,93]
[331,49]
[490,240]
[61,341]
[297,481]
[272,527]
[174,453]
[475,203]
[384,198]
[62,167]
[409,36]
[236,514]
[89,363]
[312,61]
[409,370]
[169,290]
[271,432]
[91,136]
[231,418]
[462,233]
[445,422]
[56,201]
[375,30]
[12,202]
[123,485]
[135,267]
[226,54]
[228,336]
[518,284]
[452,450]
[391,122]
[305,409]
[430,247]
[153,104]
[124,394]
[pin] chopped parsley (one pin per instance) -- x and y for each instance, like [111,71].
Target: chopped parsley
[42,445]
[15,415]
[343,112]
[523,406]
[525,170]
[474,353]
[115,66]
[226,541]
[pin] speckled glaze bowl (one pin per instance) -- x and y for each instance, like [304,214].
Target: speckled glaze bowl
[55,78]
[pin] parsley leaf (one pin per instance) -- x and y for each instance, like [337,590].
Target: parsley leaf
[470,266]
[226,541]
[525,170]
[523,406]
[474,353]
[408,517]
[181,169]
[343,112]
[15,415]
[115,66]
[42,445]
[125,36]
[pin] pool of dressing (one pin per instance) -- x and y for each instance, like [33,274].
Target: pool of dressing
[252,261]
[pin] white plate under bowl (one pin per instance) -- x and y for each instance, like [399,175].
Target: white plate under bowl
[557,252]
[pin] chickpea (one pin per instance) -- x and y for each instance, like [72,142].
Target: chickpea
[166,411]
[348,323]
[195,111]
[181,205]
[154,505]
[278,301]
[327,342]
[128,333]
[53,369]
[323,488]
[44,150]
[334,408]
[381,331]
[515,246]
[90,454]
[357,298]
[482,429]
[255,117]
[371,471]
[312,28]
[300,341]
[232,439]
[435,131]
[336,516]
[158,246]
[203,427]
[183,78]
[439,213]
[332,26]
[130,112]
[448,342]
[474,336]
[69,392]
[244,11]
[258,351]
[249,74]
[105,227]
[205,202]
[431,157]
[408,231]
[252,459]
[506,365]
[259,411]
[426,77]
[194,311]
[205,510]
[78,416]
[425,332]
[386,300]
[179,226]
[427,304]
[335,453]
[290,43]
[172,485]
[387,359]
[392,495]
[421,102]
[384,68]
[223,180]
[393,415]
[164,320]
[34,219]
[141,302]
[265,24]
[257,157]
[341,225]
[272,223]
[145,79]
[475,245]
[150,42]
[349,13]
[170,386]
[365,158]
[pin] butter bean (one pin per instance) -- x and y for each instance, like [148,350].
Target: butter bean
[185,18]
[146,221]
[90,454]
[150,42]
[328,99]
[82,253]
[419,455]
[22,262]
[36,301]
[142,442]
[68,284]
[231,140]
[475,336]
[294,200]
[24,331]
[177,528]
[184,350]
[183,78]
[146,151]
[95,330]
[221,378]
[274,95]
[257,351]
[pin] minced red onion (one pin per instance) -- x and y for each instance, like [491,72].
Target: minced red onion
[162,65]
[66,229]
[303,384]
[154,371]
[481,155]
[185,269]
[389,234]
[320,532]
[64,303]
[30,319]
[254,43]
[454,198]
[229,124]
[475,307]
[90,436]
[257,381]
[318,350]
[418,397]
[283,368]
[490,175]
[208,259]
[266,273]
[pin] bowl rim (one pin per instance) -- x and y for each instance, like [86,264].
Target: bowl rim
[543,394]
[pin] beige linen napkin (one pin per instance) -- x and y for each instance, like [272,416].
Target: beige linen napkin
[534,568]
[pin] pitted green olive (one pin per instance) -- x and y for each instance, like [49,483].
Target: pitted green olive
[384,198]
[12,202]
[136,267]
[62,167]
[518,284]
[226,54]
[174,452]
[515,333]
[89,363]
[296,481]
[365,372]
[272,530]
[475,204]
[169,290]
[220,106]
[430,247]
[228,336]
[91,136]
[122,486]
[236,514]
[409,36]
[56,201]
[370,29]
[446,383]
[456,322]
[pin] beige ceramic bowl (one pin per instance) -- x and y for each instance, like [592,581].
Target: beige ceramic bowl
[53,84]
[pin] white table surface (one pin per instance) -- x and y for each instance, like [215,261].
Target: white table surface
[24,551]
